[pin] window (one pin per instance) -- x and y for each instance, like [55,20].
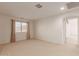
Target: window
[18,26]
[21,26]
[24,27]
[72,31]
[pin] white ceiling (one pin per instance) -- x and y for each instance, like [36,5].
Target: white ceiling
[28,9]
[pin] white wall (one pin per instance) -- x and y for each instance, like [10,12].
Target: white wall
[51,28]
[32,30]
[5,30]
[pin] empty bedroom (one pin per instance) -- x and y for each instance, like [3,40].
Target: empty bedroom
[39,28]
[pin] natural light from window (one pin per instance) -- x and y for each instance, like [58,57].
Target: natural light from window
[21,26]
[72,30]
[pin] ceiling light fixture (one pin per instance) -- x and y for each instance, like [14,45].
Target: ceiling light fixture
[38,6]
[62,8]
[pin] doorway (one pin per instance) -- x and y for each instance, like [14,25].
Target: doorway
[71,30]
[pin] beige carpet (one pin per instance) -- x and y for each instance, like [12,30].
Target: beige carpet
[38,48]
